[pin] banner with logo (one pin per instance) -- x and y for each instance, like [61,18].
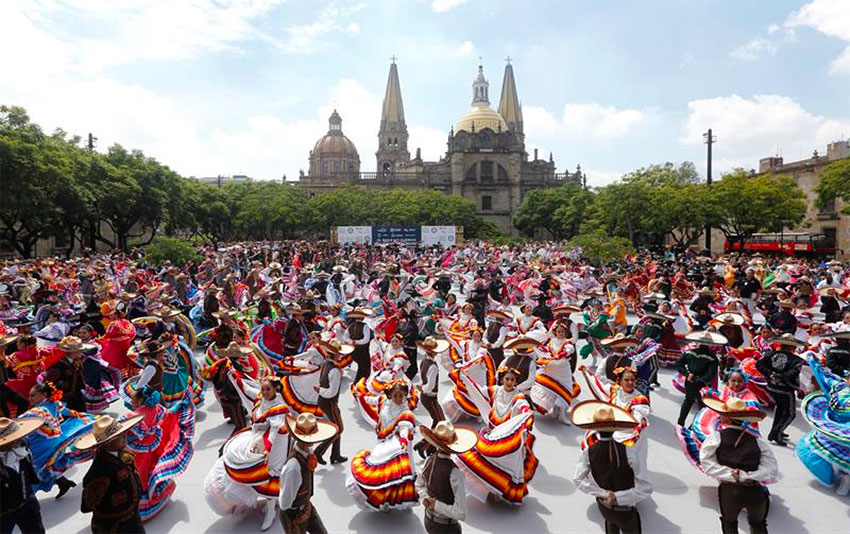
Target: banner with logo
[396,234]
[438,235]
[354,234]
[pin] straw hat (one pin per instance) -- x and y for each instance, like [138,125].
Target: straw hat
[706,291]
[235,350]
[293,308]
[6,340]
[654,296]
[730,318]
[659,316]
[601,416]
[221,314]
[307,429]
[275,266]
[828,291]
[500,314]
[335,347]
[166,312]
[704,337]
[15,429]
[433,345]
[844,334]
[620,340]
[448,438]
[788,340]
[734,408]
[565,309]
[786,304]
[106,428]
[360,313]
[522,342]
[74,344]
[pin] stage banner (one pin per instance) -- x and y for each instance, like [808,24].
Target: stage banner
[396,234]
[438,235]
[354,234]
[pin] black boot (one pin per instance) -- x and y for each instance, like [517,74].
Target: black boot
[65,485]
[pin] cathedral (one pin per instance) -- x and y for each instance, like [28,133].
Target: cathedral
[485,161]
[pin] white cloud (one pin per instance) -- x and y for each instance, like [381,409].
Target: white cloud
[466,48]
[830,17]
[750,129]
[432,141]
[598,178]
[579,120]
[307,37]
[441,6]
[754,49]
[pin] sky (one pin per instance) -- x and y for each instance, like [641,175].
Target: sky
[222,87]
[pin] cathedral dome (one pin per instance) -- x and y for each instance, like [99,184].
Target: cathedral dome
[481,115]
[334,153]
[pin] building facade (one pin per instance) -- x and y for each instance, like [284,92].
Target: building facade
[485,160]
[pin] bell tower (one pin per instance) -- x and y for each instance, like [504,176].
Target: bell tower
[392,136]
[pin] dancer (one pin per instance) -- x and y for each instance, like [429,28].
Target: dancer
[330,379]
[781,368]
[698,366]
[18,478]
[111,487]
[430,373]
[554,388]
[741,462]
[297,513]
[440,485]
[383,478]
[609,470]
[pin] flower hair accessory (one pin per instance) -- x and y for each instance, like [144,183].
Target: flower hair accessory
[620,370]
[55,393]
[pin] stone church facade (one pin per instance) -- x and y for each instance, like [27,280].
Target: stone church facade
[485,161]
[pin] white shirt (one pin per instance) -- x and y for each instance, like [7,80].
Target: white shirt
[51,334]
[363,340]
[290,479]
[768,469]
[503,332]
[456,511]
[583,479]
[333,384]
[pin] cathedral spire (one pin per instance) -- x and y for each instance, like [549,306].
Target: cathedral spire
[509,106]
[480,88]
[392,134]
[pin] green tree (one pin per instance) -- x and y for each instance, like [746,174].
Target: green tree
[835,183]
[560,211]
[178,251]
[743,204]
[599,247]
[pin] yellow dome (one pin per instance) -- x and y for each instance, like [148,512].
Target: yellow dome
[481,116]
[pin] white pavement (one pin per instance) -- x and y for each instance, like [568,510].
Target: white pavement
[684,500]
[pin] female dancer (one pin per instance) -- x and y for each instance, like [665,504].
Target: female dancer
[502,463]
[162,447]
[252,459]
[52,445]
[383,478]
[554,389]
[388,366]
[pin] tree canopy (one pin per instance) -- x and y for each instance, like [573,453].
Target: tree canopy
[835,183]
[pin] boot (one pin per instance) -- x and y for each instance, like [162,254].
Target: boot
[728,527]
[269,514]
[64,485]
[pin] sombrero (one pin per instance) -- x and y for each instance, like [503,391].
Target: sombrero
[844,334]
[360,313]
[293,308]
[706,291]
[166,312]
[235,350]
[500,314]
[336,346]
[786,304]
[522,342]
[788,340]
[565,309]
[6,340]
[655,296]
[735,408]
[601,416]
[828,291]
[730,318]
[307,429]
[74,344]
[619,340]
[232,313]
[105,429]
[433,345]
[448,438]
[659,316]
[704,337]
[15,429]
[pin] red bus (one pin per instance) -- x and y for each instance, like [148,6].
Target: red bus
[786,243]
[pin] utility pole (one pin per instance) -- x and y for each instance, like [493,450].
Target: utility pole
[91,142]
[709,140]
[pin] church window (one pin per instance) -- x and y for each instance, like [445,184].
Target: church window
[486,203]
[471,173]
[386,167]
[503,174]
[324,167]
[336,166]
[487,171]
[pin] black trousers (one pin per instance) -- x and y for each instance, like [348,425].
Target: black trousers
[784,414]
[736,497]
[108,526]
[413,368]
[622,519]
[498,356]
[301,521]
[435,527]
[361,358]
[27,518]
[692,396]
[330,408]
[432,406]
[8,395]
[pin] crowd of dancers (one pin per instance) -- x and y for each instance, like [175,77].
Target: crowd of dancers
[485,339]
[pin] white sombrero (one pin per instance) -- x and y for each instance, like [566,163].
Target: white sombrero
[14,429]
[448,438]
[704,337]
[105,429]
[307,429]
[601,416]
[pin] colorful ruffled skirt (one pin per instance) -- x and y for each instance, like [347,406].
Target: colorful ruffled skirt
[384,478]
